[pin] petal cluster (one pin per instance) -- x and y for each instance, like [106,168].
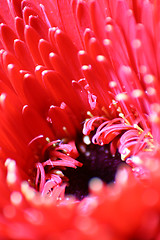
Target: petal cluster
[68,66]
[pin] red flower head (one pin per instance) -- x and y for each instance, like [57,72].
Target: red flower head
[80,119]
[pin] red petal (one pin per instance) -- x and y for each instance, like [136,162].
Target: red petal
[45,49]
[15,7]
[55,85]
[7,37]
[16,79]
[21,51]
[98,21]
[61,123]
[61,67]
[62,92]
[68,21]
[19,27]
[36,124]
[38,72]
[36,94]
[69,53]
[8,58]
[83,15]
[27,12]
[37,23]
[31,34]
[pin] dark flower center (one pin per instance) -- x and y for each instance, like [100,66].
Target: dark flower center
[97,162]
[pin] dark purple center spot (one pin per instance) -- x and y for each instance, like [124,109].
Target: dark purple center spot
[97,162]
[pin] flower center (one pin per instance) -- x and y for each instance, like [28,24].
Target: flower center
[97,162]
[62,170]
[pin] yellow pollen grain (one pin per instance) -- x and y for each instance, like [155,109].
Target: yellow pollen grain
[2,97]
[101,58]
[112,84]
[86,140]
[151,91]
[86,67]
[64,129]
[121,97]
[119,110]
[89,114]
[138,128]
[149,78]
[125,154]
[136,93]
[81,52]
[58,31]
[28,192]
[109,28]
[16,198]
[136,160]
[47,139]
[11,178]
[38,67]
[58,172]
[10,164]
[26,75]
[95,184]
[107,42]
[136,43]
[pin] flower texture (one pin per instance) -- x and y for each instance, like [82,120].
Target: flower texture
[80,119]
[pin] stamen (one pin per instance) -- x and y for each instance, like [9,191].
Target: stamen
[50,180]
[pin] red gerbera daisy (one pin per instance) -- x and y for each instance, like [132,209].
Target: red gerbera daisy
[79,126]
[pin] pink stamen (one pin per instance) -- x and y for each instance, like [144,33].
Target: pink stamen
[47,179]
[41,174]
[128,139]
[50,184]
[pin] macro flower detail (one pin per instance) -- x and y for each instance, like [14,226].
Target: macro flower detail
[79,126]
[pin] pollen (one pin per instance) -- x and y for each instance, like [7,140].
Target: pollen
[121,97]
[125,154]
[136,160]
[16,198]
[149,78]
[11,171]
[151,91]
[87,140]
[107,42]
[2,97]
[95,185]
[112,84]
[109,28]
[136,43]
[28,192]
[136,93]
[101,58]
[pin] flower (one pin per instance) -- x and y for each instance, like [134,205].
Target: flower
[79,107]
